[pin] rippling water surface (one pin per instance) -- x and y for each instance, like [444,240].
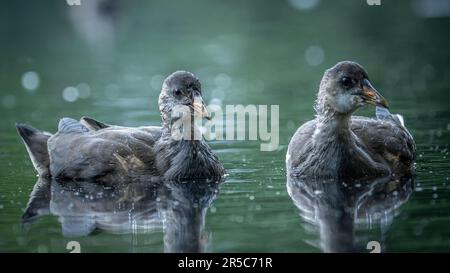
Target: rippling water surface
[107,59]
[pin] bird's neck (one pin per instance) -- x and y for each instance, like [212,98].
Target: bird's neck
[341,150]
[333,127]
[187,159]
[182,137]
[186,128]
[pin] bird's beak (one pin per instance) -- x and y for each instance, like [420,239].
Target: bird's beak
[372,96]
[200,108]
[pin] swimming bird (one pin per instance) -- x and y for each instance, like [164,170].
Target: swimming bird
[337,145]
[92,150]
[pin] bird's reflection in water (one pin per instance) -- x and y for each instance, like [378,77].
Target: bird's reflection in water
[177,208]
[343,213]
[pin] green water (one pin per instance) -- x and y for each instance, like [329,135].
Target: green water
[244,52]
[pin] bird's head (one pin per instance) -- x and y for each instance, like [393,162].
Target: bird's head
[181,90]
[344,88]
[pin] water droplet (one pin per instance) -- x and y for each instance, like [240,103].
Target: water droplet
[84,90]
[30,81]
[314,55]
[70,94]
[304,4]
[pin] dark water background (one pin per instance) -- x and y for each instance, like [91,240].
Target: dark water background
[244,52]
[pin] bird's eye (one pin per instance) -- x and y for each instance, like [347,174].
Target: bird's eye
[193,87]
[177,92]
[346,82]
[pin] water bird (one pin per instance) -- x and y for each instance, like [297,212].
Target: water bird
[337,145]
[92,150]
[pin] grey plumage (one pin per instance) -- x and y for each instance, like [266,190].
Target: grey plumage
[93,124]
[90,149]
[110,154]
[337,145]
[69,125]
[36,144]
